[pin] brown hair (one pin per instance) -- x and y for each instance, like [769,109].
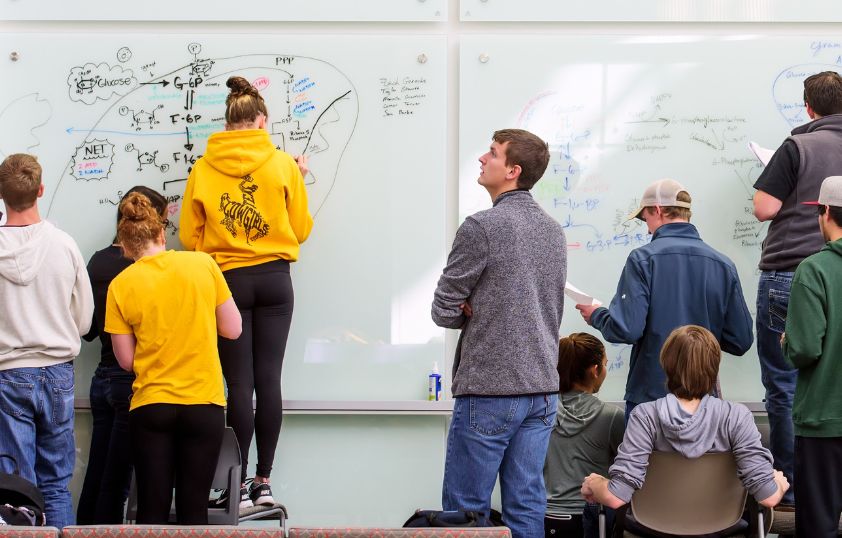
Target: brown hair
[823,92]
[675,212]
[244,102]
[20,179]
[690,358]
[576,354]
[139,225]
[527,151]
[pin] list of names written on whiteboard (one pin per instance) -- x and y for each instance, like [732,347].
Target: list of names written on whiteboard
[402,96]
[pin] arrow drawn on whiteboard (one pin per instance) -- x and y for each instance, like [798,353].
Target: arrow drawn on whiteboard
[664,121]
[568,223]
[71,130]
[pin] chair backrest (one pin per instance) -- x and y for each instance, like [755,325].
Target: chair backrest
[689,496]
[229,456]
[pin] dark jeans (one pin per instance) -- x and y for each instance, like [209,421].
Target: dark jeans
[252,363]
[777,374]
[106,485]
[175,445]
[818,490]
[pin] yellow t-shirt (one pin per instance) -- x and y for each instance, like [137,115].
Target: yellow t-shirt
[168,301]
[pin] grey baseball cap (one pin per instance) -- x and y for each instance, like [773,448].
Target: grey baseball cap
[830,193]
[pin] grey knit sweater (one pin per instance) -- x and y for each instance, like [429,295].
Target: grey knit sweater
[510,263]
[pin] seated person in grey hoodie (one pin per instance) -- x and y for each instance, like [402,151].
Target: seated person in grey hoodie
[584,440]
[691,422]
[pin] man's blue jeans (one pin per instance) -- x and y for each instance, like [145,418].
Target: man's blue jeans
[777,374]
[508,435]
[36,428]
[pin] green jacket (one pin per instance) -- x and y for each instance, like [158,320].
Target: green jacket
[813,342]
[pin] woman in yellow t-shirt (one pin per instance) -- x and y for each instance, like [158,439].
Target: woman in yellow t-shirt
[245,204]
[163,313]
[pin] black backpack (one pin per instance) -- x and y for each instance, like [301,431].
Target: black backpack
[20,501]
[453,518]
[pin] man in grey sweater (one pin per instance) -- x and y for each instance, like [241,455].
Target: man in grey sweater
[503,286]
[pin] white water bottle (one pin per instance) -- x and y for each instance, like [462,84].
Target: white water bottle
[434,392]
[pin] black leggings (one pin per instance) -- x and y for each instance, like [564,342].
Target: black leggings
[175,445]
[252,363]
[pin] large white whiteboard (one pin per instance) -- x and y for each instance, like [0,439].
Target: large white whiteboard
[257,10]
[652,10]
[629,110]
[105,114]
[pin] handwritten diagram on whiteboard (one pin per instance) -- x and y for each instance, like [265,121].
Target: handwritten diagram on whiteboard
[622,111]
[108,114]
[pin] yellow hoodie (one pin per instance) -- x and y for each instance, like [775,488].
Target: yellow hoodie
[245,202]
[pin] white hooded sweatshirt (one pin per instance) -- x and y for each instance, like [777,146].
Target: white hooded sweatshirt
[45,296]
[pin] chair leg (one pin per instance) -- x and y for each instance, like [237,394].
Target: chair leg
[601,519]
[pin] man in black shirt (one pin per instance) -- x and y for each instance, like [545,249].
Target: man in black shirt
[794,175]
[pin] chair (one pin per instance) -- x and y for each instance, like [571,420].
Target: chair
[226,476]
[686,497]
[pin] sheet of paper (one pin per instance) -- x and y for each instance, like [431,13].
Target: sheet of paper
[579,296]
[762,154]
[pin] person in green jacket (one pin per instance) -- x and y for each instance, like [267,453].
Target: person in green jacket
[813,344]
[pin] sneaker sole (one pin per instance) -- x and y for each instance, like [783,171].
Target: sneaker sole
[246,504]
[264,500]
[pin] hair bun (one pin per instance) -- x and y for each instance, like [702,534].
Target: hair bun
[239,85]
[136,207]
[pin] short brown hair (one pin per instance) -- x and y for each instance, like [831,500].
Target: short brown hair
[823,92]
[676,212]
[20,179]
[244,103]
[690,358]
[576,354]
[527,151]
[140,224]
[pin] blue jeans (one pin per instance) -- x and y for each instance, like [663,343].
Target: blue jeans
[36,428]
[508,435]
[777,374]
[109,471]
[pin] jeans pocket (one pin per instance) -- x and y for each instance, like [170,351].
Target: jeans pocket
[62,405]
[778,304]
[492,416]
[15,397]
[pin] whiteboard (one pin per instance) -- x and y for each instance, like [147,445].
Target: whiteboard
[627,111]
[652,10]
[103,115]
[191,10]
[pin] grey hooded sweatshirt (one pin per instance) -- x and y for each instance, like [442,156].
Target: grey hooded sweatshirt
[584,440]
[45,294]
[716,426]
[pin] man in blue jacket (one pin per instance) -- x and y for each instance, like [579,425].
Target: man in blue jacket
[674,280]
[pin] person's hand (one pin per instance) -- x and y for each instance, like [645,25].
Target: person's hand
[588,486]
[783,337]
[301,161]
[781,481]
[466,309]
[586,310]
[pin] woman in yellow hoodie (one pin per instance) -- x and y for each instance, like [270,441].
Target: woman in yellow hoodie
[245,204]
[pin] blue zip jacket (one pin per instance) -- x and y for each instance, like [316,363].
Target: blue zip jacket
[674,280]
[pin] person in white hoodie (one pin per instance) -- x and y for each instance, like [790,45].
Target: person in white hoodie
[47,302]
[691,422]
